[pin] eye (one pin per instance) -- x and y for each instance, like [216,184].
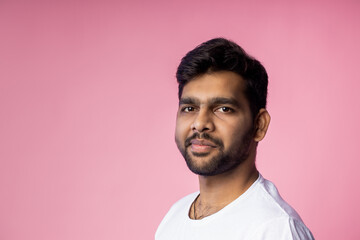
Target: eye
[225,110]
[187,109]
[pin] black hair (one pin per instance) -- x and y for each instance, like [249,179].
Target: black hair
[220,54]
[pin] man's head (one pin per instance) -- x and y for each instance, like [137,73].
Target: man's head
[222,99]
[220,54]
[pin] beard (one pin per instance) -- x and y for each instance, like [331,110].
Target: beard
[223,161]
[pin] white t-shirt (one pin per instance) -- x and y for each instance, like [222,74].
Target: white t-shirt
[259,213]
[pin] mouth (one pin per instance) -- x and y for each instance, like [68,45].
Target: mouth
[201,146]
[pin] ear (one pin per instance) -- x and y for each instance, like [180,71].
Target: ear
[261,124]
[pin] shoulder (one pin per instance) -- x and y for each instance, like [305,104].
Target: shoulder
[183,203]
[279,219]
[273,202]
[177,214]
[282,228]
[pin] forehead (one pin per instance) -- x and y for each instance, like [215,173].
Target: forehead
[222,84]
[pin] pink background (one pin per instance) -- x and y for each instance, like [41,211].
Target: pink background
[88,102]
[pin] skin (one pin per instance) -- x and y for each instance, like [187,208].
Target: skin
[214,104]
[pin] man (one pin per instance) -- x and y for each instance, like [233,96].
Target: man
[221,119]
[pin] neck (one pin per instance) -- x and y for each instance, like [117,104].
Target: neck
[218,191]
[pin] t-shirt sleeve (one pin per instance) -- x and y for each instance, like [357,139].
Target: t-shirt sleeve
[283,228]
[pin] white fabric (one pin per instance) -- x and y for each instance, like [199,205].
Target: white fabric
[259,213]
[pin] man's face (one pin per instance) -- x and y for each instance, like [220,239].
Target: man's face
[214,128]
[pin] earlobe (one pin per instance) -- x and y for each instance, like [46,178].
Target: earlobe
[262,122]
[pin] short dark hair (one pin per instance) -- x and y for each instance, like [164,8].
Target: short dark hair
[220,54]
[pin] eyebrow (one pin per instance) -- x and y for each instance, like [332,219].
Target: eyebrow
[188,100]
[212,101]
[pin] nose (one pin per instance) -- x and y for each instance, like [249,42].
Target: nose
[203,122]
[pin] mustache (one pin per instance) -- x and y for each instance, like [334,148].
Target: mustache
[205,136]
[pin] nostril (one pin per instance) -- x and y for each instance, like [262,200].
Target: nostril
[202,122]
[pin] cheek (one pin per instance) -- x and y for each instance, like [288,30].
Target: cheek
[232,134]
[182,127]
[180,136]
[177,135]
[179,131]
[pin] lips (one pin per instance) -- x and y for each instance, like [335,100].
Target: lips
[201,145]
[202,142]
